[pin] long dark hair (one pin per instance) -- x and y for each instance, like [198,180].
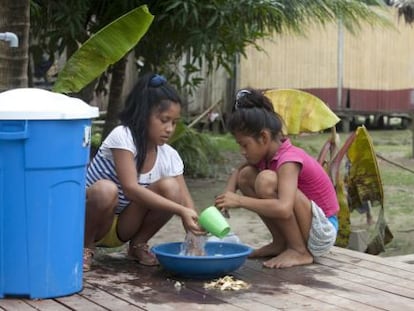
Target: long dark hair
[252,112]
[152,92]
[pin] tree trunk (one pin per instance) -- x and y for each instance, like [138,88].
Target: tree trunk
[115,102]
[14,18]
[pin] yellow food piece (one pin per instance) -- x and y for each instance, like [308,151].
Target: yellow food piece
[227,283]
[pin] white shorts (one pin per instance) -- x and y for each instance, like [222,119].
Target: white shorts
[322,234]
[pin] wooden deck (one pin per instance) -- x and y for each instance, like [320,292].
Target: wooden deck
[342,280]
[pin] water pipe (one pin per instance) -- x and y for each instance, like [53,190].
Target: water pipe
[11,38]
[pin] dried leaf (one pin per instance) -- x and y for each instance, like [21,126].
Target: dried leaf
[364,179]
[301,111]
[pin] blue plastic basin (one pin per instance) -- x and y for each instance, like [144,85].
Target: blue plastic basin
[221,258]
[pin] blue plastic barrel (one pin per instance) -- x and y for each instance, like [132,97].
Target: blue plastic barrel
[44,151]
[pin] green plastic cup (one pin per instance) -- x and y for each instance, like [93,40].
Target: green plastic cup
[213,221]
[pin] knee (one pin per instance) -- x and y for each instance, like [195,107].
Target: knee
[168,188]
[102,195]
[246,175]
[266,184]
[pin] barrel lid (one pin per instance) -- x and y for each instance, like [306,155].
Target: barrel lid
[41,104]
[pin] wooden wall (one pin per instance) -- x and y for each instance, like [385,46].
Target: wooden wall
[378,66]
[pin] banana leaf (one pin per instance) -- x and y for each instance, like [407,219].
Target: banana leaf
[364,187]
[364,179]
[103,49]
[302,112]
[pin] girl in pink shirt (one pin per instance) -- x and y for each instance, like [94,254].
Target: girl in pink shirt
[284,185]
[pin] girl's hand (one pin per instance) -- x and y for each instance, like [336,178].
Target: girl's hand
[189,218]
[227,200]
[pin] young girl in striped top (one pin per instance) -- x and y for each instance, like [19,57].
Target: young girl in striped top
[135,182]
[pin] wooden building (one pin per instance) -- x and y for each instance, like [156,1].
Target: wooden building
[369,73]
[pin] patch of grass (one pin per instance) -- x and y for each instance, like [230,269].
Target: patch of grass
[225,142]
[395,176]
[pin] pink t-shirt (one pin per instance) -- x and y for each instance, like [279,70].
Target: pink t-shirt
[313,181]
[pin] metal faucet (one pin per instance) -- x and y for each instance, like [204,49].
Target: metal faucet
[10,37]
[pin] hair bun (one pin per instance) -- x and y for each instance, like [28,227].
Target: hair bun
[157,80]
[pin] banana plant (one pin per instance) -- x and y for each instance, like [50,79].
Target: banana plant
[358,185]
[103,49]
[364,187]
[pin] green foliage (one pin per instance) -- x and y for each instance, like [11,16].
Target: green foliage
[211,32]
[214,32]
[200,154]
[225,142]
[96,140]
[208,32]
[56,25]
[104,48]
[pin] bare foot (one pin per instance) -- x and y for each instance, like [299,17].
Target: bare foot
[270,249]
[289,258]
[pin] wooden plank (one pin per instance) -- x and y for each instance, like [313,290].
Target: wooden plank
[375,278]
[245,299]
[106,299]
[331,282]
[77,302]
[160,295]
[72,302]
[409,258]
[279,294]
[396,268]
[125,287]
[46,305]
[300,294]
[15,305]
[341,280]
[314,286]
[149,287]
